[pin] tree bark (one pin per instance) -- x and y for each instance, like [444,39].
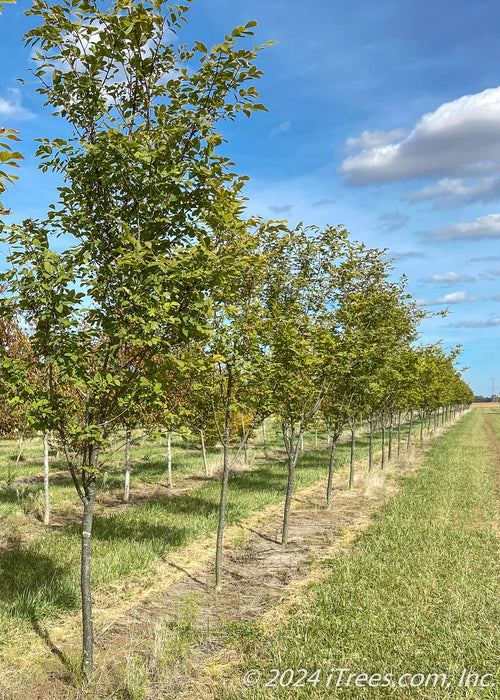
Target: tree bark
[245,452]
[288,500]
[46,512]
[126,492]
[370,445]
[399,433]
[351,465]
[389,446]
[292,448]
[85,587]
[331,468]
[21,448]
[169,459]
[382,462]
[204,452]
[224,485]
[264,438]
[408,444]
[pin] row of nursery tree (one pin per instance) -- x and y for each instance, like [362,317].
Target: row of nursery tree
[148,297]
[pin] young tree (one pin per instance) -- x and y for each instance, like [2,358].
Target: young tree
[143,180]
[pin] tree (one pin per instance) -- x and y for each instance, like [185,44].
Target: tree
[232,373]
[142,181]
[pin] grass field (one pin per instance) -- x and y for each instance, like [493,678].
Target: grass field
[419,594]
[401,596]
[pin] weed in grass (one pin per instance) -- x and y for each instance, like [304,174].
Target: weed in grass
[136,678]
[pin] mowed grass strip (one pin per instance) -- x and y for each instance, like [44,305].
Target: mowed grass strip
[420,594]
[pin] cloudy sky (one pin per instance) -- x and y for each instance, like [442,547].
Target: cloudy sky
[383,116]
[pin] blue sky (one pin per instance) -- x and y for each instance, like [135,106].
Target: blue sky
[383,116]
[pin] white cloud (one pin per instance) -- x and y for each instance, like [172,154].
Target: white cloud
[11,108]
[489,323]
[285,209]
[374,139]
[484,227]
[409,255]
[450,277]
[281,128]
[452,298]
[461,138]
[456,192]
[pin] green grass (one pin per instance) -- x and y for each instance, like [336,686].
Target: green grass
[419,594]
[41,579]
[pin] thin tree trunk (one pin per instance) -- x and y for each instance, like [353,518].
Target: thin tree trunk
[408,444]
[351,465]
[46,512]
[224,485]
[21,448]
[422,419]
[389,447]
[370,445]
[88,516]
[399,433]
[382,463]
[245,453]
[264,438]
[204,452]
[126,492]
[302,443]
[169,459]
[331,468]
[292,449]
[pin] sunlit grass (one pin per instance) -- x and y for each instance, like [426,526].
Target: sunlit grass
[419,594]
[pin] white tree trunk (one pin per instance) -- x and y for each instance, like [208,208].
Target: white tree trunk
[126,493]
[169,459]
[46,512]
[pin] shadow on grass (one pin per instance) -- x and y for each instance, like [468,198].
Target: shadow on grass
[33,586]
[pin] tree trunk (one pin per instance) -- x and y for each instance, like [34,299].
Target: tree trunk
[302,443]
[399,433]
[370,445]
[351,465]
[169,459]
[331,468]
[126,492]
[224,485]
[422,419]
[46,512]
[21,448]
[389,446]
[382,463]
[88,516]
[245,453]
[292,462]
[264,438]
[408,444]
[292,447]
[204,452]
